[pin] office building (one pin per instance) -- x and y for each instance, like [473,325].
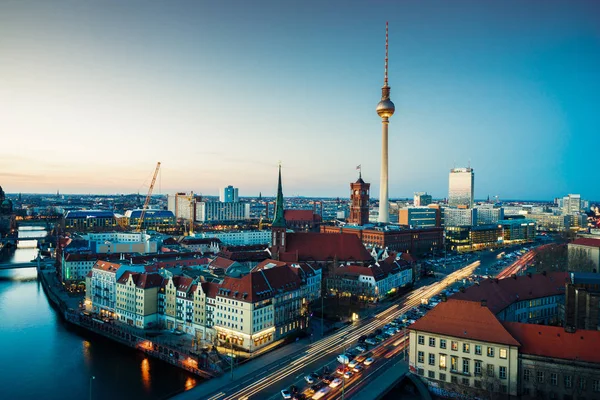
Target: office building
[461,187]
[489,214]
[89,220]
[238,238]
[421,199]
[460,216]
[229,195]
[419,217]
[157,220]
[571,204]
[217,211]
[582,301]
[182,205]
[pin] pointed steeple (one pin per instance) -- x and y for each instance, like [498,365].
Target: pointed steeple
[279,219]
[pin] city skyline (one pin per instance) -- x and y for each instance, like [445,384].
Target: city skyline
[518,104]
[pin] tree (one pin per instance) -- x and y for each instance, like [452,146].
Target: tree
[580,260]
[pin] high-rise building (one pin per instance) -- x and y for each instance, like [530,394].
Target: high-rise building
[182,205]
[419,217]
[460,216]
[422,199]
[571,204]
[489,214]
[229,195]
[385,109]
[359,199]
[461,187]
[218,211]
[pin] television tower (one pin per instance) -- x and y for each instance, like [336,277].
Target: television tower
[385,109]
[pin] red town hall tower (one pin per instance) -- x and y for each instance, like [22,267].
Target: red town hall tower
[359,197]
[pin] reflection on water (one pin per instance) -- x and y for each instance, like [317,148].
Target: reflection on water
[190,383]
[146,374]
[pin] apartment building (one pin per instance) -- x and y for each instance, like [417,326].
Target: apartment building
[137,299]
[101,289]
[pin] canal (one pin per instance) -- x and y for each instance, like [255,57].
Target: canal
[44,358]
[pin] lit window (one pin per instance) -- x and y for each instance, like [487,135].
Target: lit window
[442,361]
[502,353]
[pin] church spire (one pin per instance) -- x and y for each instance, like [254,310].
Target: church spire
[279,219]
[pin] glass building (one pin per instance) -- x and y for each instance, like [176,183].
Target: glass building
[461,187]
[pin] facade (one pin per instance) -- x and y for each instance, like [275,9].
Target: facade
[75,266]
[461,187]
[551,222]
[303,220]
[460,216]
[414,241]
[201,245]
[582,301]
[216,211]
[158,220]
[182,205]
[229,195]
[102,290]
[584,251]
[137,299]
[359,202]
[422,199]
[517,230]
[571,204]
[238,238]
[370,283]
[488,214]
[419,217]
[176,304]
[121,242]
[89,220]
[460,347]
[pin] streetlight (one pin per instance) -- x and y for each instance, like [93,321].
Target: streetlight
[91,379]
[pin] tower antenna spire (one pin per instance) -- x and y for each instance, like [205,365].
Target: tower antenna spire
[385,71]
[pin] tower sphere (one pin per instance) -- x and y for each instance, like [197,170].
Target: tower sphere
[385,108]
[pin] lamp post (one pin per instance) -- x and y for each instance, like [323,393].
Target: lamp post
[91,379]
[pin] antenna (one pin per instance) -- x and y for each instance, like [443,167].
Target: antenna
[385,77]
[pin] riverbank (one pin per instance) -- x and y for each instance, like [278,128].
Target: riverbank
[202,363]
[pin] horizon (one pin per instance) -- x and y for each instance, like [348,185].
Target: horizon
[220,94]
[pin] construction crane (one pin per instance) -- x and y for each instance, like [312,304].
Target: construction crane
[148,197]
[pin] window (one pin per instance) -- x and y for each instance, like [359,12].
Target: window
[465,381]
[466,347]
[490,352]
[431,342]
[503,353]
[527,375]
[454,379]
[477,349]
[568,381]
[490,370]
[431,359]
[431,374]
[420,357]
[540,376]
[421,339]
[596,385]
[477,368]
[442,361]
[502,372]
[554,379]
[420,371]
[465,366]
[442,343]
[454,346]
[582,383]
[454,363]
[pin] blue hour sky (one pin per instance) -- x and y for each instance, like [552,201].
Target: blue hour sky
[93,93]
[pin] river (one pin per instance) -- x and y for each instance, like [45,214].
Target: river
[44,358]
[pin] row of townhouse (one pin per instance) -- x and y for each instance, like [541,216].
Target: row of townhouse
[249,311]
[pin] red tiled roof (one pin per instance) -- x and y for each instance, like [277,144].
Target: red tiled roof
[211,289]
[106,266]
[591,242]
[501,293]
[300,215]
[260,285]
[183,263]
[407,257]
[464,319]
[221,262]
[313,246]
[268,263]
[555,342]
[146,281]
[184,283]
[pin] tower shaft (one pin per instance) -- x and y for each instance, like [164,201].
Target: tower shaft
[384,212]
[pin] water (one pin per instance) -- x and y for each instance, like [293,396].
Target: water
[41,357]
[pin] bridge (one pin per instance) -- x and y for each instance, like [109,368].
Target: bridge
[30,264]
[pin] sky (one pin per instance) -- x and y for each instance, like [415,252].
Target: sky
[94,93]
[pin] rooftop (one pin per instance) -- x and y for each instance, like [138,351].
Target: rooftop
[590,242]
[304,246]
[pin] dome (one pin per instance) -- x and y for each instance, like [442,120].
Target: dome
[385,108]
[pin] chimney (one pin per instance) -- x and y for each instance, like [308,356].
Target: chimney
[483,303]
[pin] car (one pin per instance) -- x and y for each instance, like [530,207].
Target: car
[293,389]
[316,376]
[341,369]
[371,341]
[328,379]
[348,374]
[321,392]
[309,379]
[353,364]
[335,383]
[285,394]
[360,348]
[343,359]
[368,361]
[362,339]
[299,396]
[358,368]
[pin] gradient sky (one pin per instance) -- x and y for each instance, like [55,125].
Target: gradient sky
[94,93]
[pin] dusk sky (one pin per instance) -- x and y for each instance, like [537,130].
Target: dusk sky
[94,93]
